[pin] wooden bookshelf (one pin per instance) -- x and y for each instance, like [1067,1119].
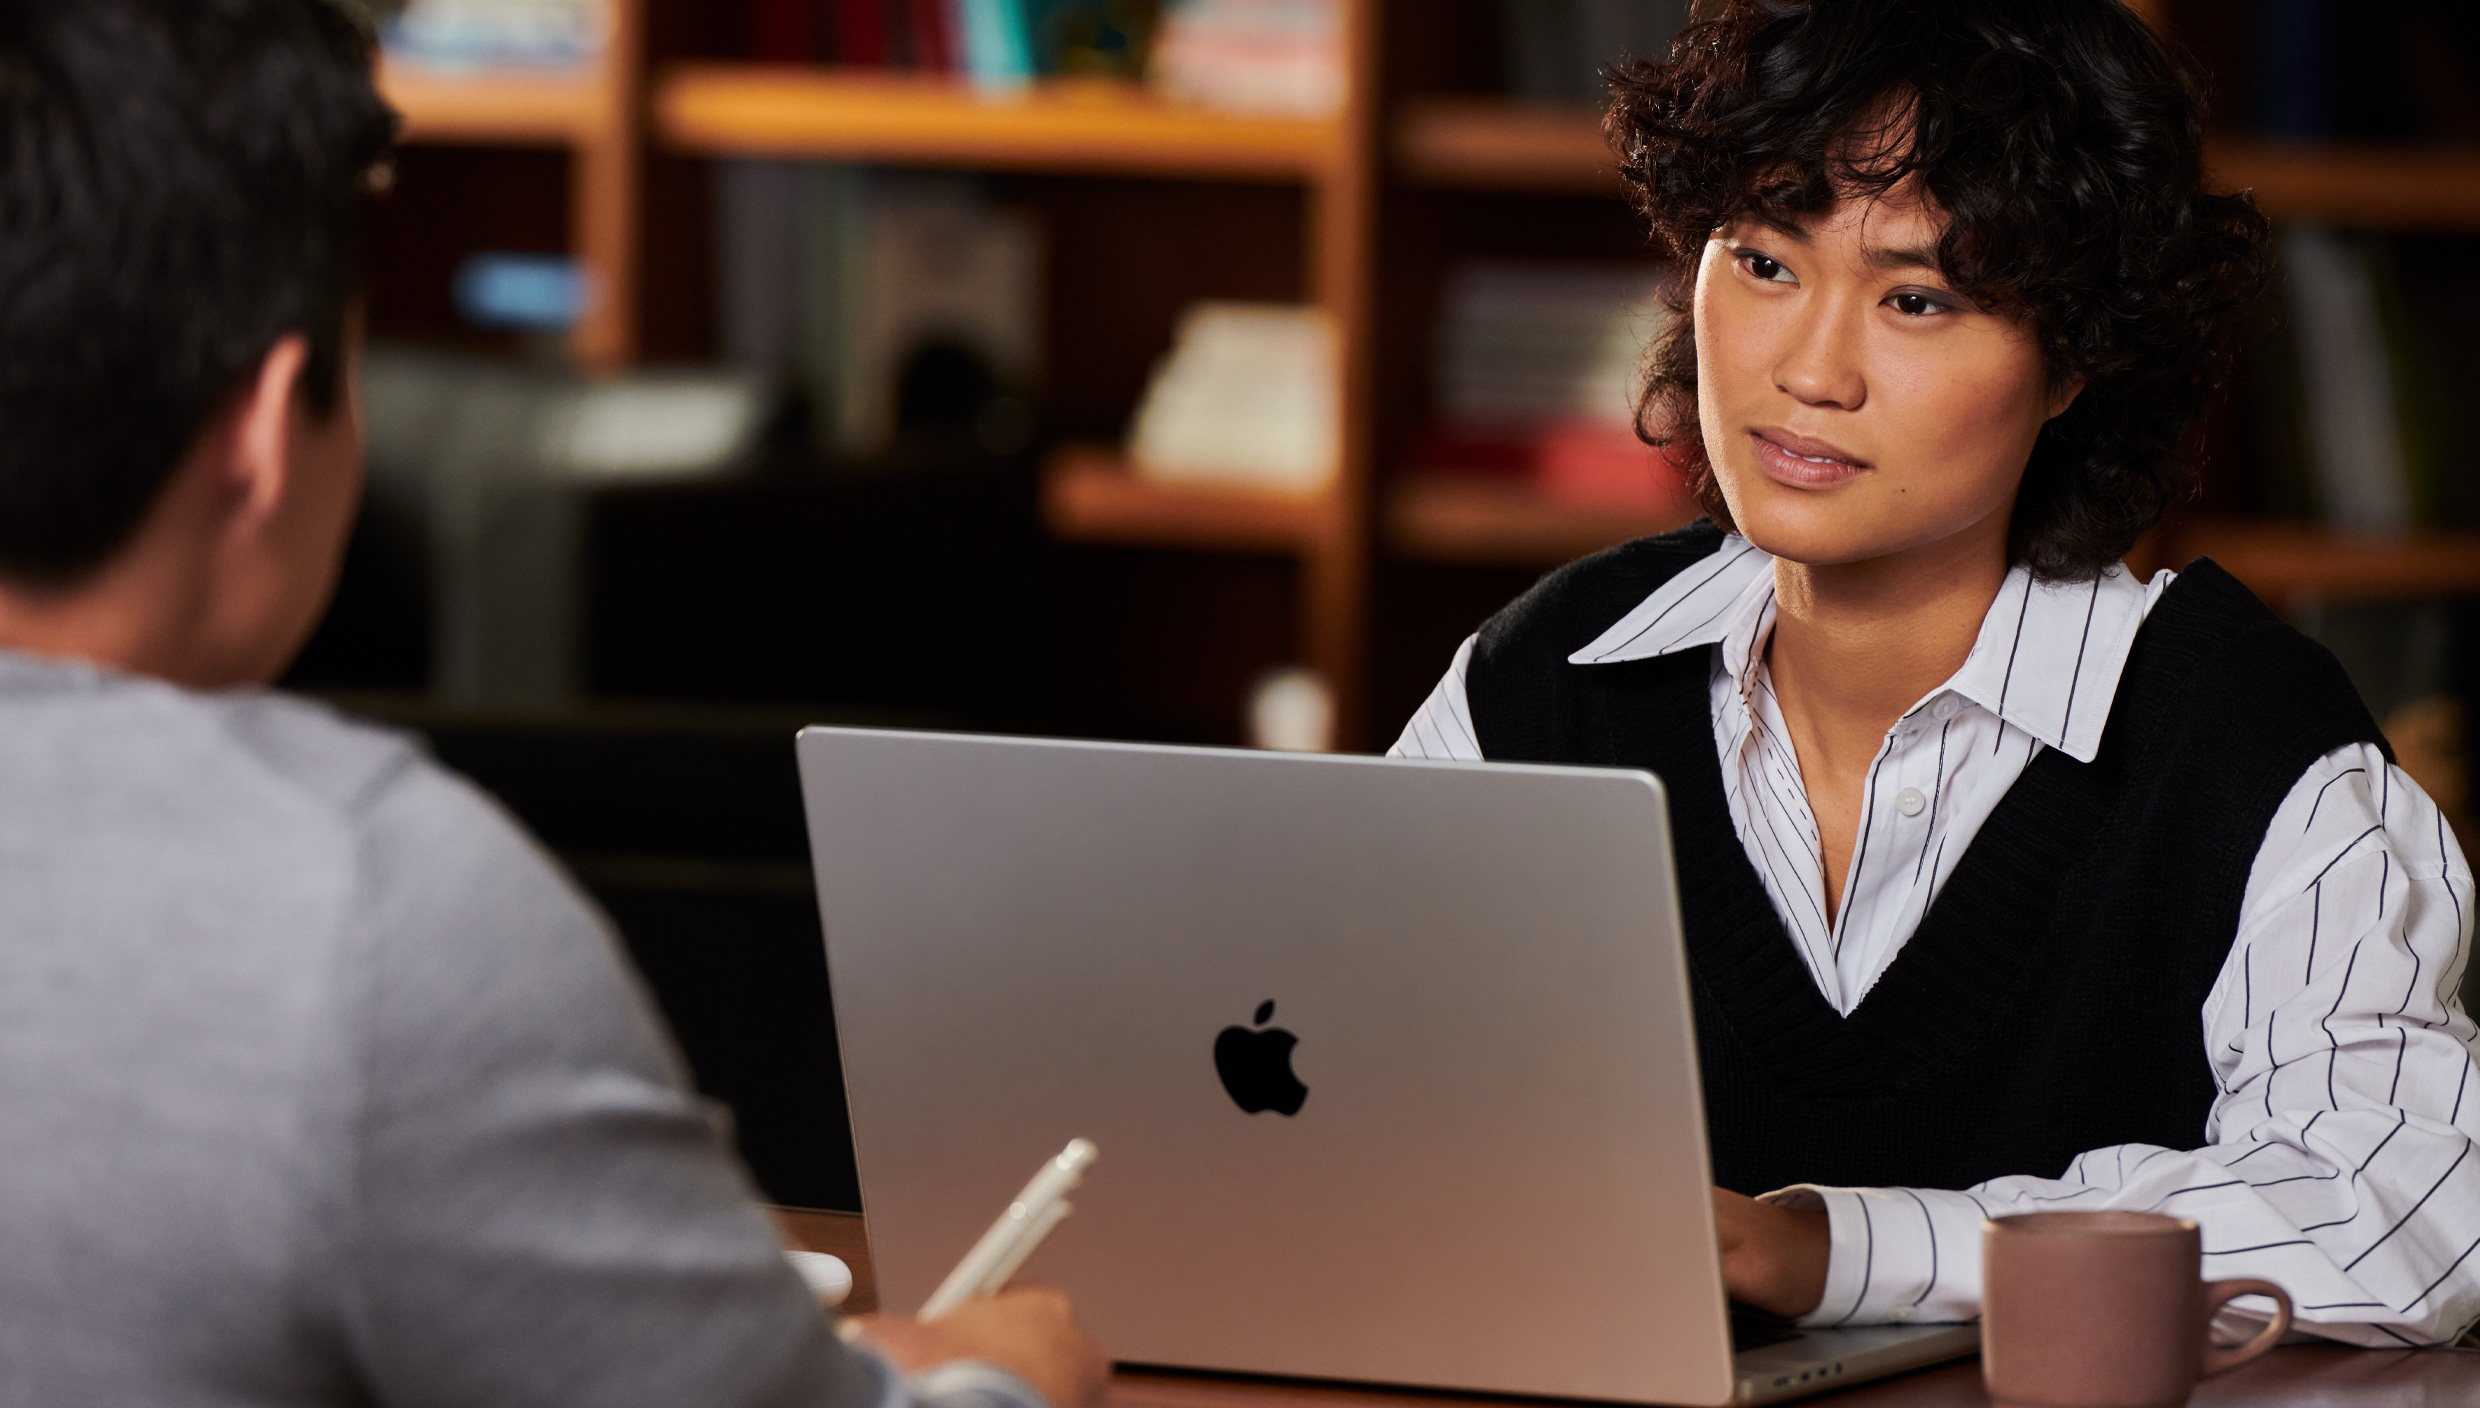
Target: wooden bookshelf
[593,115]
[1485,522]
[1494,144]
[1090,494]
[2293,564]
[1091,127]
[2393,188]
[1503,523]
[940,120]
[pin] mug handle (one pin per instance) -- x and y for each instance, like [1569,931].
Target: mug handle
[2231,1356]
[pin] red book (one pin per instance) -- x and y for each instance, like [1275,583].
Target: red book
[934,39]
[861,33]
[781,32]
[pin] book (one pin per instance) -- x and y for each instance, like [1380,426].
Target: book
[469,34]
[996,43]
[861,33]
[783,31]
[1559,51]
[2322,70]
[928,25]
[1247,396]
[1270,56]
[2354,439]
[1536,376]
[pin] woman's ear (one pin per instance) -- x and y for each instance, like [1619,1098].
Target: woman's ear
[2062,395]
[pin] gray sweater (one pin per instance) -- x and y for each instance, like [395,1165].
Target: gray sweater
[320,1085]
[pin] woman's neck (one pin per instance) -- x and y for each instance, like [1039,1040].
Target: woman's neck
[1854,646]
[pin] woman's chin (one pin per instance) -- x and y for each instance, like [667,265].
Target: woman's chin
[1814,529]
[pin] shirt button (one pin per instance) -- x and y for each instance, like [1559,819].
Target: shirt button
[1946,707]
[1910,802]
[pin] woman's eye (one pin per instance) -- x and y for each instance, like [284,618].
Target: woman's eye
[1917,305]
[1768,269]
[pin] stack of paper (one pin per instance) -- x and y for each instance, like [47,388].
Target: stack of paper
[560,34]
[1247,396]
[1270,56]
[1523,346]
[1538,372]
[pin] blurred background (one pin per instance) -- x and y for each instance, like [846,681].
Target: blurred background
[1180,370]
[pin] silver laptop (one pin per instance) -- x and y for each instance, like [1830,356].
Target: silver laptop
[1390,1063]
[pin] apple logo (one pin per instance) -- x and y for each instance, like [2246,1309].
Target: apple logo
[1256,1066]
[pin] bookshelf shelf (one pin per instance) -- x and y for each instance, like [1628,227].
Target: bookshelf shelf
[498,109]
[1482,522]
[1494,144]
[1488,523]
[2395,188]
[2293,563]
[1080,126]
[1091,495]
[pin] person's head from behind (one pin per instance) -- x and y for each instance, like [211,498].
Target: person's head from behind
[179,204]
[1956,276]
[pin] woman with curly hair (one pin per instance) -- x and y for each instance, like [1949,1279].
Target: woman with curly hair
[2011,881]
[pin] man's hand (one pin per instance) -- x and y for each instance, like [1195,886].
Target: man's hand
[1029,1331]
[1772,1258]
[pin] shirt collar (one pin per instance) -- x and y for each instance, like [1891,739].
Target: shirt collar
[2047,659]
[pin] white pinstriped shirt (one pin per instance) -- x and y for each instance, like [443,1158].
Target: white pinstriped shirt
[2338,1159]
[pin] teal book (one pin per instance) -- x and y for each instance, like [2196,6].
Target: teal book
[997,39]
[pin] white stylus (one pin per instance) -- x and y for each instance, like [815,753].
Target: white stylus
[1002,1249]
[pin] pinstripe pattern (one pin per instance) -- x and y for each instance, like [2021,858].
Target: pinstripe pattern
[2336,1158]
[2041,675]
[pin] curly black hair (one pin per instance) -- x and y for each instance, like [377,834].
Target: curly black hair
[2065,149]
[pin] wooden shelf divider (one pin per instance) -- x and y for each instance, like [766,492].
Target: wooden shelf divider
[594,116]
[1090,494]
[938,120]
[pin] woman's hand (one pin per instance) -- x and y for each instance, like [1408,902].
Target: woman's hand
[1029,1331]
[1772,1258]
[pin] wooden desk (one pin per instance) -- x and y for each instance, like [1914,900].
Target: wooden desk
[2306,1376]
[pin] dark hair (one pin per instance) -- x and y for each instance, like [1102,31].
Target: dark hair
[179,187]
[2065,149]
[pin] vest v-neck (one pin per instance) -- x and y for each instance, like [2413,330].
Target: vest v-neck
[2047,1002]
[1937,998]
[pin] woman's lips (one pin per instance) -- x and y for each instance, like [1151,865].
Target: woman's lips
[1799,460]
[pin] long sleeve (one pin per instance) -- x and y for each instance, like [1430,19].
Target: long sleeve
[537,1209]
[2337,1161]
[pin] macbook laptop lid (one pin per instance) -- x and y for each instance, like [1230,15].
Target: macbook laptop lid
[1390,1064]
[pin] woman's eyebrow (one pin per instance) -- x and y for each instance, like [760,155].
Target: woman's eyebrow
[1906,257]
[1782,225]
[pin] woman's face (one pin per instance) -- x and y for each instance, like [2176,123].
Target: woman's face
[1853,405]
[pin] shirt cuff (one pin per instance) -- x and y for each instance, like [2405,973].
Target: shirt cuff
[974,1383]
[1898,1255]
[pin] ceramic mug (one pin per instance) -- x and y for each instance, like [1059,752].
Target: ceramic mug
[2104,1310]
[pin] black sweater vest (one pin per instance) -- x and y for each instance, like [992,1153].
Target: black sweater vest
[2048,1003]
